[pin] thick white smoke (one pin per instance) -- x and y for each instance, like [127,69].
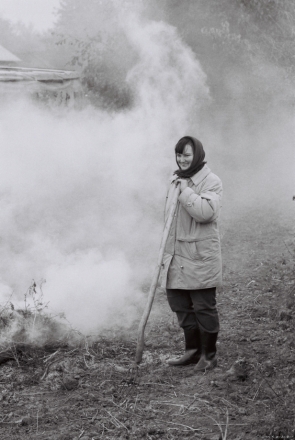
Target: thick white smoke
[82,194]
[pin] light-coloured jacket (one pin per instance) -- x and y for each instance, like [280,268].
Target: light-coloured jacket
[192,257]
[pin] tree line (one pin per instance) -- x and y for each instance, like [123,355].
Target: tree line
[240,44]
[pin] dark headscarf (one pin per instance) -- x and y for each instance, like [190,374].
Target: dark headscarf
[198,159]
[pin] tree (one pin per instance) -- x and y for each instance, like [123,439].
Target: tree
[94,41]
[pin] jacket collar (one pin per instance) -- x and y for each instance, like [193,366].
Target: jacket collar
[198,177]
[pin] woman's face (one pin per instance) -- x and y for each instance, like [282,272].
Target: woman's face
[185,159]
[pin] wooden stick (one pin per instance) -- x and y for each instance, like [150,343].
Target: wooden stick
[151,296]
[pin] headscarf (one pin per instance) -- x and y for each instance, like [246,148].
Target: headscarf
[198,159]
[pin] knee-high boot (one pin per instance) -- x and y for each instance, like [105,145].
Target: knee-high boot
[192,348]
[208,359]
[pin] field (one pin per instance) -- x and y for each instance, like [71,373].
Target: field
[94,391]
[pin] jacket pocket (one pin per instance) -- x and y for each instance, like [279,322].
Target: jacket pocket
[202,249]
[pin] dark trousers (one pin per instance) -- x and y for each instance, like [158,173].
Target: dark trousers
[195,308]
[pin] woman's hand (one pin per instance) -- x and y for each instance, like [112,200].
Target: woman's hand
[183,184]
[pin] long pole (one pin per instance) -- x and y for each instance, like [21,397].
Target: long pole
[153,287]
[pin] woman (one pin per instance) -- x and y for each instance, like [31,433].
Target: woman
[192,259]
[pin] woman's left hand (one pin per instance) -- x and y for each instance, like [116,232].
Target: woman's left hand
[183,184]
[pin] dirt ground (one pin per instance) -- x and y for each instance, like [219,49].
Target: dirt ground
[94,391]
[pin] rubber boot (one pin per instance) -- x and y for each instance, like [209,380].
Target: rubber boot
[208,359]
[192,349]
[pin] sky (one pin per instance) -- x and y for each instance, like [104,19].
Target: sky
[39,13]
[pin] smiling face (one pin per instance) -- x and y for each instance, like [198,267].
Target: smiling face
[185,158]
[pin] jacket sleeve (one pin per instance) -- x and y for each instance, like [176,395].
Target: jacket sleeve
[204,207]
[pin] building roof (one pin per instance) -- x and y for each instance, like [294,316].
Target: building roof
[6,56]
[26,74]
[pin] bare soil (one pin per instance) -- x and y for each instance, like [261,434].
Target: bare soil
[94,391]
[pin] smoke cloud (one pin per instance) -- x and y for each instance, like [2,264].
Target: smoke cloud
[82,193]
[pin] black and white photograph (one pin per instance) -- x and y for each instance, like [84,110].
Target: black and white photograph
[147,219]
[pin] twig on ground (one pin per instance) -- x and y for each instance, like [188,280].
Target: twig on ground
[229,403]
[45,371]
[117,423]
[50,356]
[135,402]
[184,426]
[168,403]
[157,384]
[223,434]
[94,417]
[253,281]
[81,433]
[257,391]
[87,366]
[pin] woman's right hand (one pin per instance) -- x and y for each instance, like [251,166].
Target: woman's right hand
[183,184]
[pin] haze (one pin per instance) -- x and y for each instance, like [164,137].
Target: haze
[38,13]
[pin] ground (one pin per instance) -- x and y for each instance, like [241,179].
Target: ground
[94,390]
